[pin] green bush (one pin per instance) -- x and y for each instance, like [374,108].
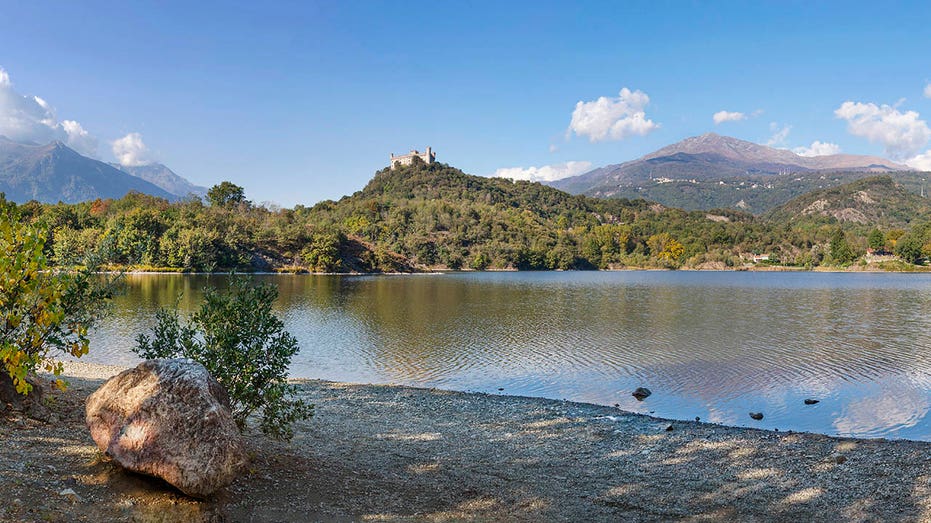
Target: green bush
[238,338]
[43,313]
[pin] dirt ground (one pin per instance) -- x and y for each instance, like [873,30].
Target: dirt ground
[384,453]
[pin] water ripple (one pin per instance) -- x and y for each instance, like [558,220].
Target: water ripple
[714,345]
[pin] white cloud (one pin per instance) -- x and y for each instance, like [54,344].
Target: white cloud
[78,138]
[612,118]
[546,173]
[32,119]
[927,89]
[903,134]
[131,151]
[778,139]
[728,116]
[818,148]
[922,162]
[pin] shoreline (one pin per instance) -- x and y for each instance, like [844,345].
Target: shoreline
[97,372]
[392,453]
[768,268]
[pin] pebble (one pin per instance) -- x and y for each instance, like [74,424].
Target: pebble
[70,494]
[839,458]
[669,428]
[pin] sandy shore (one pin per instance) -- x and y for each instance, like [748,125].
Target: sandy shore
[386,453]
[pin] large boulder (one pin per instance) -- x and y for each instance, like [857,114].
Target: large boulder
[171,419]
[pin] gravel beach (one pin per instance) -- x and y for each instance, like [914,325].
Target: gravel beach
[389,453]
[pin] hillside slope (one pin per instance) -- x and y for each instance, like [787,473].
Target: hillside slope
[876,201]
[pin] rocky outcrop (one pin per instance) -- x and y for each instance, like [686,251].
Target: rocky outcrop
[170,419]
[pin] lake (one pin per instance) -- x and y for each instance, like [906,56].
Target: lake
[716,345]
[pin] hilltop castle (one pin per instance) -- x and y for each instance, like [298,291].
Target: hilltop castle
[428,157]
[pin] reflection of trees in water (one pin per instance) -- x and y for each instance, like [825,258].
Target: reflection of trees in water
[706,343]
[559,336]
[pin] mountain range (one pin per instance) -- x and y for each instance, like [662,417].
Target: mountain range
[163,177]
[719,171]
[56,173]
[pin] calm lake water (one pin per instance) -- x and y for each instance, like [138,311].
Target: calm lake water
[711,344]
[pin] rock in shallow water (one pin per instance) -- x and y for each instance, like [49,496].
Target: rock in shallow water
[641,393]
[170,419]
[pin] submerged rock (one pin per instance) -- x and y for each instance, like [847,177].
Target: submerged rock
[811,401]
[170,419]
[756,415]
[641,393]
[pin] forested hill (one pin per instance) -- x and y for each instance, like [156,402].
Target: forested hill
[425,217]
[441,182]
[436,215]
[878,201]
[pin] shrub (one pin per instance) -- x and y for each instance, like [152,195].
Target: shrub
[43,313]
[238,338]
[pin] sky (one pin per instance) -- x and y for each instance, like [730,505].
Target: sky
[300,102]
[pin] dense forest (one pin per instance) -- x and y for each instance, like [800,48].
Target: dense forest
[434,216]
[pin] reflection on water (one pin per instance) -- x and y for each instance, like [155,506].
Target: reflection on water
[714,345]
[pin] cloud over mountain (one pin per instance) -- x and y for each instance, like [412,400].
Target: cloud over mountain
[546,173]
[131,151]
[612,118]
[818,148]
[728,116]
[903,134]
[780,135]
[25,118]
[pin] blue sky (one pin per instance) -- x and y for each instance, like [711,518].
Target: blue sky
[300,102]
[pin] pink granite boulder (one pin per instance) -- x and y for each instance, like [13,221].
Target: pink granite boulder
[171,419]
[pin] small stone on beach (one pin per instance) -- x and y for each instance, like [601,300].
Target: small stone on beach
[70,494]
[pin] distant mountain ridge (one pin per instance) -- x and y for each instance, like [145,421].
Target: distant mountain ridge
[713,165]
[713,156]
[54,172]
[163,177]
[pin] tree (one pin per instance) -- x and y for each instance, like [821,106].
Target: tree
[225,194]
[666,248]
[43,313]
[876,240]
[841,252]
[908,247]
[238,338]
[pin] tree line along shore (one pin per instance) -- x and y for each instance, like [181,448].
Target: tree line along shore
[435,217]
